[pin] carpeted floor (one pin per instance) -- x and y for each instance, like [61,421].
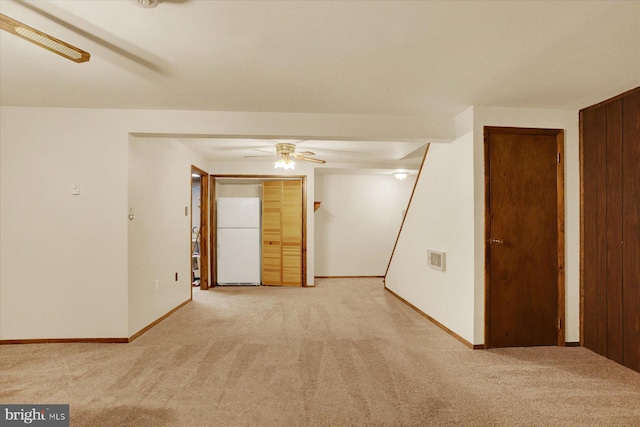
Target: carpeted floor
[343,353]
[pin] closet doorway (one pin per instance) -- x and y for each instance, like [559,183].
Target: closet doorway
[199,255]
[282,233]
[291,262]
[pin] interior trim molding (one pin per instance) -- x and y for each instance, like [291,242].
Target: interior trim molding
[404,217]
[348,277]
[66,340]
[95,340]
[435,322]
[572,344]
[204,227]
[158,320]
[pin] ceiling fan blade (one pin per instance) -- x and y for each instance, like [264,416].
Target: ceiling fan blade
[43,40]
[235,148]
[342,152]
[262,155]
[307,153]
[308,159]
[264,151]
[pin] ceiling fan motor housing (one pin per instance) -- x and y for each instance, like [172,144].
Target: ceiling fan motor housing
[147,4]
[284,148]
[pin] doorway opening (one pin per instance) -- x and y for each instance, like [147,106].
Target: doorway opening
[285,226]
[524,232]
[199,256]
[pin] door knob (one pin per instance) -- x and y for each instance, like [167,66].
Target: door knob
[496,241]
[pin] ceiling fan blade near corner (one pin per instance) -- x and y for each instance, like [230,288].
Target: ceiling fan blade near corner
[269,153]
[265,151]
[360,153]
[297,156]
[43,40]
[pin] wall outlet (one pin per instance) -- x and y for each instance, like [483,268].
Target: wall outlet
[155,284]
[436,260]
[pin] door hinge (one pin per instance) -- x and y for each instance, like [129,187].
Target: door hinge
[558,157]
[559,323]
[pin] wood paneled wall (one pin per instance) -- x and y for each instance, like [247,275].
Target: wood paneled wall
[610,240]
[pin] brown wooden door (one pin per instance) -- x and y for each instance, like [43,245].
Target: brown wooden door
[524,234]
[271,233]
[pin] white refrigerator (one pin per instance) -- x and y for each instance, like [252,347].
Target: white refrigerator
[238,241]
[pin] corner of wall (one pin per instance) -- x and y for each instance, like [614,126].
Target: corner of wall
[464,122]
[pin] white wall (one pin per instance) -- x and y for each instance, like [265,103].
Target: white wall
[64,261]
[358,222]
[441,218]
[160,233]
[63,257]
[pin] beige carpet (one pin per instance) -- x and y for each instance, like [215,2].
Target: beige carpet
[343,353]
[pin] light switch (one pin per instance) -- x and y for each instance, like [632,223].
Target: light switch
[75,189]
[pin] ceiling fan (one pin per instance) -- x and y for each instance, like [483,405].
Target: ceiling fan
[286,151]
[43,40]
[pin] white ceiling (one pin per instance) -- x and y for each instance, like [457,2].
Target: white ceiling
[431,59]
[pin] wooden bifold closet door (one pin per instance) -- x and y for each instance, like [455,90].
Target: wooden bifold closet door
[282,233]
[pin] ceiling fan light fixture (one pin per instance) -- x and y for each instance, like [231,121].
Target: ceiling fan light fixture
[400,175]
[286,152]
[285,163]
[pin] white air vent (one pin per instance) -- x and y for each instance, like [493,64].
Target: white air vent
[436,260]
